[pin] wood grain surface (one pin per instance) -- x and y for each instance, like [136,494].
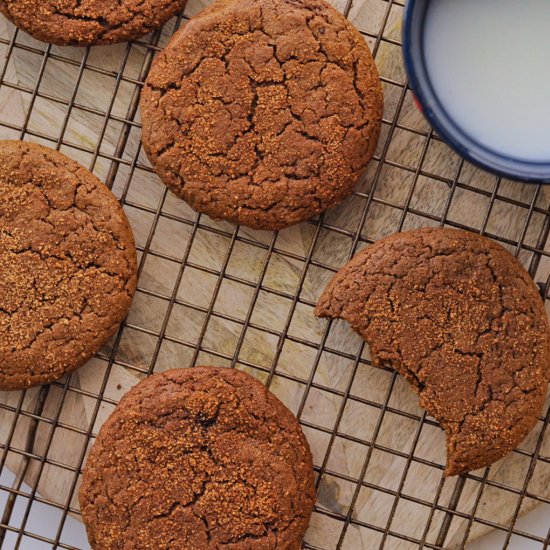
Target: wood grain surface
[245,298]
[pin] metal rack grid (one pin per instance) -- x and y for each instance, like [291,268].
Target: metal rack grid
[423,167]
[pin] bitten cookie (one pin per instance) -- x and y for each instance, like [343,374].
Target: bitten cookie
[263,112]
[67,265]
[198,458]
[463,322]
[84,23]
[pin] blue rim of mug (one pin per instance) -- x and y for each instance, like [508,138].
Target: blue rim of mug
[465,145]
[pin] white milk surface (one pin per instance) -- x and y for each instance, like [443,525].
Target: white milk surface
[489,62]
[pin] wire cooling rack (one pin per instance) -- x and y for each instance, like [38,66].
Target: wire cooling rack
[212,293]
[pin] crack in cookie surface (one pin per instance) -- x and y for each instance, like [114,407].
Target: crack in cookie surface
[463,322]
[200,458]
[264,112]
[67,265]
[88,22]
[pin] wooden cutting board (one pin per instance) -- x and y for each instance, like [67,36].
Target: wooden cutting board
[169,336]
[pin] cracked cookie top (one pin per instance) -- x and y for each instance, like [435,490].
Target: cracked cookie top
[462,321]
[263,112]
[67,265]
[88,22]
[201,458]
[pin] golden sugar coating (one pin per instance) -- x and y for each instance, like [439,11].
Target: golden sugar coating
[460,318]
[87,22]
[263,112]
[197,459]
[67,265]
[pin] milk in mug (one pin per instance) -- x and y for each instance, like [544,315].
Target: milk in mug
[489,64]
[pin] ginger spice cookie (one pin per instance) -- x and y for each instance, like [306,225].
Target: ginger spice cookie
[67,265]
[263,112]
[198,458]
[88,22]
[462,321]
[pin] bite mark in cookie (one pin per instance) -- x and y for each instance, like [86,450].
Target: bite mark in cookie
[462,321]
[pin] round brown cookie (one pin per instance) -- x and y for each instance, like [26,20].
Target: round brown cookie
[201,458]
[88,22]
[263,112]
[67,265]
[463,322]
